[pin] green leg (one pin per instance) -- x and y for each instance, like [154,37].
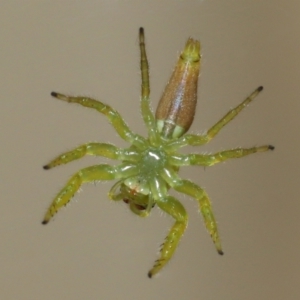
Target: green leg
[194,140]
[211,159]
[189,188]
[193,190]
[113,116]
[144,66]
[94,173]
[97,149]
[174,208]
[145,102]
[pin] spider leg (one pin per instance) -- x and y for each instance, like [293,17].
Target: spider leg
[113,116]
[97,149]
[189,188]
[211,159]
[173,207]
[194,140]
[144,66]
[193,190]
[147,113]
[90,174]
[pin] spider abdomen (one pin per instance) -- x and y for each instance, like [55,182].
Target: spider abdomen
[176,108]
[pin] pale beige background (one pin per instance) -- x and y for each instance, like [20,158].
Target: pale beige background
[96,249]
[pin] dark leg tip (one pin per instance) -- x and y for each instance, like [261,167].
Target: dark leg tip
[141,30]
[54,94]
[46,167]
[259,89]
[45,222]
[271,147]
[220,252]
[149,274]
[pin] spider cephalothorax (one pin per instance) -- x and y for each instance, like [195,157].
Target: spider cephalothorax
[149,166]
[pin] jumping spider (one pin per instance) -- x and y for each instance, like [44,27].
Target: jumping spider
[149,166]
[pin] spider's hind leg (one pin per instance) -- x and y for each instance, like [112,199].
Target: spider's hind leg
[191,139]
[146,111]
[173,207]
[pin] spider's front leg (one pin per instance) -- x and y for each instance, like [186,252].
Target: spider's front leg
[90,174]
[191,189]
[174,208]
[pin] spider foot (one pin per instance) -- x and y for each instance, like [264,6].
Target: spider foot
[54,94]
[60,96]
[158,265]
[260,88]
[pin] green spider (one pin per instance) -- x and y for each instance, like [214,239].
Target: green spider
[149,166]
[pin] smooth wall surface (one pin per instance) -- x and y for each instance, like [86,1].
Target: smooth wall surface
[96,249]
